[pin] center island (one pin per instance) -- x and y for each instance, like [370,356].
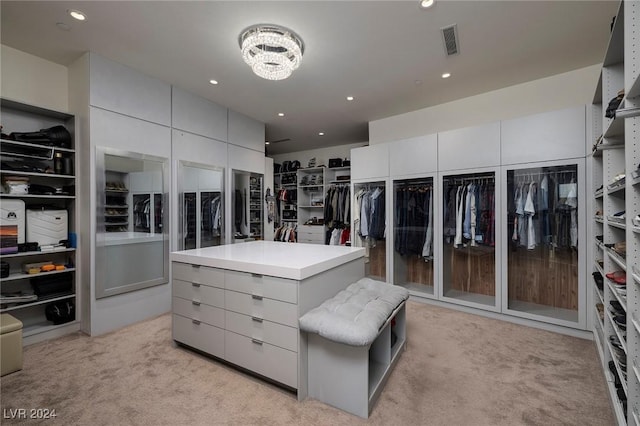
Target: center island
[241,302]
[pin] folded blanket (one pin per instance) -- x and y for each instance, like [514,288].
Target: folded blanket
[354,315]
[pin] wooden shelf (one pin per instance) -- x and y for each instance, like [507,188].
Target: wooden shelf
[60,197]
[37,253]
[21,276]
[38,302]
[36,174]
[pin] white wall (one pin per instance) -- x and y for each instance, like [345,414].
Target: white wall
[33,80]
[322,155]
[547,94]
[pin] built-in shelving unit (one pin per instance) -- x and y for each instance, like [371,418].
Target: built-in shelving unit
[46,169]
[615,164]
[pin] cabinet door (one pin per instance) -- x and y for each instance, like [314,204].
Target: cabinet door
[370,162]
[414,156]
[470,239]
[121,89]
[541,137]
[245,131]
[468,148]
[195,114]
[413,228]
[541,242]
[370,226]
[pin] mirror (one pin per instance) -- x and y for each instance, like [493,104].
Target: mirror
[201,221]
[132,245]
[247,206]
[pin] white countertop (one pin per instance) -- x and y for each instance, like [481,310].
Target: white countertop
[285,260]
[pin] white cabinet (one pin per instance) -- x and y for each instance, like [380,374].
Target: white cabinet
[245,131]
[195,114]
[370,162]
[470,147]
[49,173]
[548,136]
[414,156]
[615,236]
[116,87]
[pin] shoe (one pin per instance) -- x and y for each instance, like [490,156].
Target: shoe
[636,221]
[619,277]
[621,321]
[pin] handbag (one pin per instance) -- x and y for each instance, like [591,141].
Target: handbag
[60,312]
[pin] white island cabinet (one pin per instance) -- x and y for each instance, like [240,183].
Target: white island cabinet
[241,302]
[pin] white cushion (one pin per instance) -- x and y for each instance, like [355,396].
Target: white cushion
[354,315]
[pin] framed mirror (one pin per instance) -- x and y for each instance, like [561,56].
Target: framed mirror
[132,244]
[201,206]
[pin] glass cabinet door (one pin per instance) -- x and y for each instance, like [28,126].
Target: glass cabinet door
[369,223]
[413,223]
[469,238]
[542,241]
[202,208]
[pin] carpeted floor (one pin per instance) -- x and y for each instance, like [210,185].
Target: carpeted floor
[458,369]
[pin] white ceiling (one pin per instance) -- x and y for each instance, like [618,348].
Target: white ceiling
[375,51]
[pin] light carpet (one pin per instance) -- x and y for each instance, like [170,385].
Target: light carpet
[458,369]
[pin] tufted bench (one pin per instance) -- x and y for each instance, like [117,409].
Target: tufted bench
[354,341]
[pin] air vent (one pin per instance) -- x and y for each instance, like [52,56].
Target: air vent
[450,38]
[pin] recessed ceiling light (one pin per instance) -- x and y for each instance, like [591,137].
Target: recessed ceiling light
[446,75]
[213,81]
[425,4]
[418,82]
[281,114]
[266,142]
[321,134]
[349,98]
[76,14]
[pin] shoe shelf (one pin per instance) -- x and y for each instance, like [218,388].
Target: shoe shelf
[616,223]
[617,190]
[616,329]
[636,324]
[618,297]
[598,219]
[40,301]
[35,174]
[617,259]
[636,277]
[599,268]
[615,127]
[618,368]
[613,393]
[599,193]
[600,295]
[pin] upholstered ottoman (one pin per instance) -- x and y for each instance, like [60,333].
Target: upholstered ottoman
[354,341]
[10,344]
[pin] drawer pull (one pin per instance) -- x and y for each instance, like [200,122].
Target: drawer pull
[256,341]
[195,284]
[195,321]
[195,303]
[256,297]
[256,319]
[256,275]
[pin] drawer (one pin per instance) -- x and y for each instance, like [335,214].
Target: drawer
[198,311]
[200,293]
[311,230]
[204,337]
[262,285]
[310,240]
[266,331]
[270,361]
[198,274]
[261,307]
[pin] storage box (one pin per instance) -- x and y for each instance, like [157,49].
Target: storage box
[12,212]
[47,226]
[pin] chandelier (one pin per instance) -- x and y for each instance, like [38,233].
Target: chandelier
[273,52]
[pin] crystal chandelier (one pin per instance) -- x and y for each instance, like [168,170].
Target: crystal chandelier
[272,52]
